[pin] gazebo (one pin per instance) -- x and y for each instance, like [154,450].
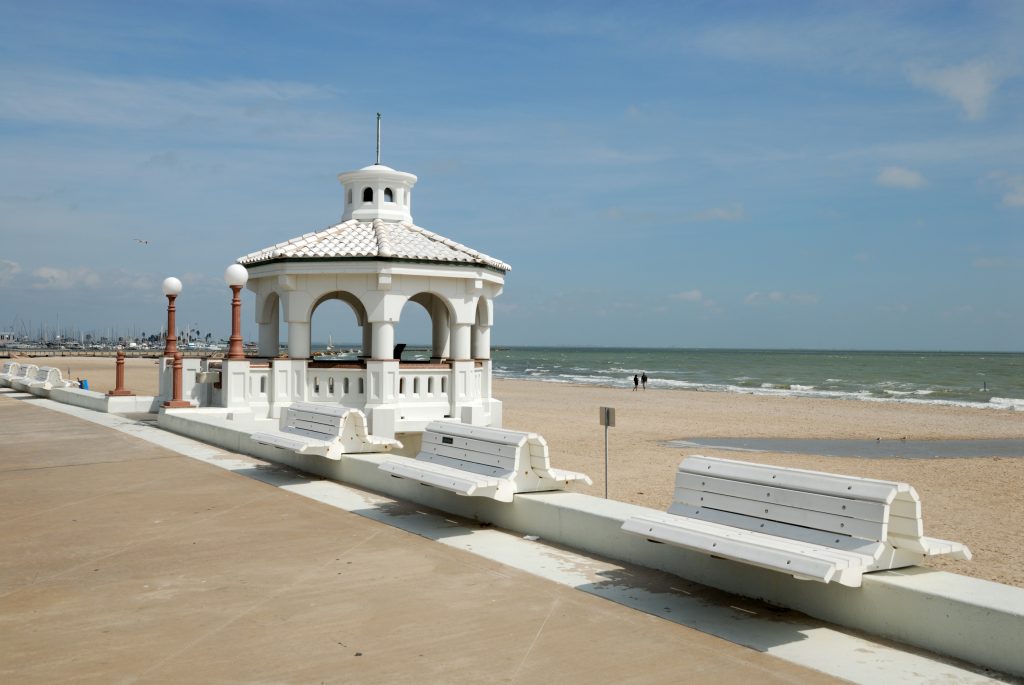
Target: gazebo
[379,263]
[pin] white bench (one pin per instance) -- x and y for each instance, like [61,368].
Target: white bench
[324,430]
[482,462]
[23,376]
[47,378]
[809,524]
[7,371]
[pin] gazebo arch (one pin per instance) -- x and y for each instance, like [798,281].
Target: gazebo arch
[358,310]
[441,315]
[268,317]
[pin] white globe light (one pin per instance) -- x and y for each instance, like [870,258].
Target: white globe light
[236,275]
[172,286]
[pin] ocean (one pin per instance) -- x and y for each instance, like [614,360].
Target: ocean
[989,380]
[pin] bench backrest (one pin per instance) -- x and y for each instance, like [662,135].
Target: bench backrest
[25,371]
[322,422]
[857,507]
[8,368]
[47,374]
[490,451]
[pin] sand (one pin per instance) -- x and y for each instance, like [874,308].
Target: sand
[976,501]
[972,500]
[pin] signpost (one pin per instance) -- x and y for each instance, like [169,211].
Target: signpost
[607,418]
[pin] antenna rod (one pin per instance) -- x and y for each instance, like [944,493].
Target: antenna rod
[378,138]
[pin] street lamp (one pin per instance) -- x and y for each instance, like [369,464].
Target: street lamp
[172,288]
[236,276]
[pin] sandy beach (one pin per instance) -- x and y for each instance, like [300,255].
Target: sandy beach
[972,500]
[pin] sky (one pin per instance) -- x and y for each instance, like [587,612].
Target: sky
[819,175]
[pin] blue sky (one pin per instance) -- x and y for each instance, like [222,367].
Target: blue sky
[685,174]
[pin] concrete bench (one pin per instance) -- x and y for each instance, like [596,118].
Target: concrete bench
[23,376]
[482,462]
[7,371]
[47,378]
[324,430]
[809,524]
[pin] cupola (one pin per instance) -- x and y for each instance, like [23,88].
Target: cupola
[377,192]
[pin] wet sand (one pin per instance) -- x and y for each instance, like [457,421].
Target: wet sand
[973,500]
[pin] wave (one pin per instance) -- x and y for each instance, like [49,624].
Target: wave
[922,396]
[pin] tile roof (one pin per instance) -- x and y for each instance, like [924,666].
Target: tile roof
[374,239]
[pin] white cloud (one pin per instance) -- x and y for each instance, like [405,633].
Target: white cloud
[689,296]
[1014,196]
[54,278]
[970,84]
[998,263]
[758,298]
[8,270]
[734,213]
[899,177]
[210,107]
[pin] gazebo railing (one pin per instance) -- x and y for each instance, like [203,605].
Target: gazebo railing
[345,386]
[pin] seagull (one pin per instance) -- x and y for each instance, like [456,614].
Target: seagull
[141,241]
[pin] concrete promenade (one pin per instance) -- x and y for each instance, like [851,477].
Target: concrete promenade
[132,554]
[125,562]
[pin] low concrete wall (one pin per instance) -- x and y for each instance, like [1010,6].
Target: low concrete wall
[975,620]
[98,401]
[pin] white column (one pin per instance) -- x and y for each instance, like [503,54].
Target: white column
[298,340]
[270,339]
[481,342]
[460,341]
[383,340]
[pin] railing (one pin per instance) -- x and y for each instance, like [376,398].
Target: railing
[423,385]
[346,386]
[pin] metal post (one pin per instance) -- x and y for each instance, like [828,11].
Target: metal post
[378,138]
[607,418]
[606,461]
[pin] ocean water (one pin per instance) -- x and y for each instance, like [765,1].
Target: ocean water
[990,380]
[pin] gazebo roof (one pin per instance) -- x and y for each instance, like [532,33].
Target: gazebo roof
[376,239]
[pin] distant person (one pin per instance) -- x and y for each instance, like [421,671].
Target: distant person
[636,381]
[643,380]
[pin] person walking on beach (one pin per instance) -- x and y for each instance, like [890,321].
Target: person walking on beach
[636,381]
[643,380]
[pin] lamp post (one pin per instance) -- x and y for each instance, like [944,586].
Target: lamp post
[172,288]
[236,276]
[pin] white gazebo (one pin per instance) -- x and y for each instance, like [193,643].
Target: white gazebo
[378,263]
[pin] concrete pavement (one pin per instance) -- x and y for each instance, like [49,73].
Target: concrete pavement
[125,562]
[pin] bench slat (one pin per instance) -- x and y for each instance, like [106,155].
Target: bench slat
[326,420]
[872,548]
[840,506]
[452,452]
[501,449]
[479,432]
[842,559]
[801,517]
[453,480]
[471,466]
[320,409]
[750,548]
[809,481]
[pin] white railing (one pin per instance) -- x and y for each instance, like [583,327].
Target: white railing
[345,386]
[423,386]
[259,384]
